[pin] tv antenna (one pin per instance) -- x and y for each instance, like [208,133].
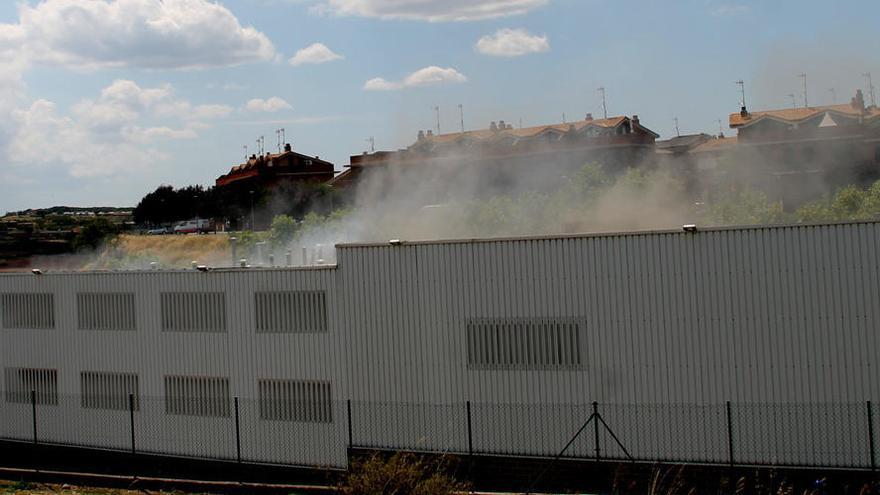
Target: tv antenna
[245,153]
[261,143]
[372,142]
[742,90]
[437,112]
[867,76]
[461,114]
[601,91]
[806,100]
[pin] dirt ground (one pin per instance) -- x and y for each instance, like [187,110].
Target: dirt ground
[16,487]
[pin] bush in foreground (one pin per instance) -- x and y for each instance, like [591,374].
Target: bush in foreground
[401,474]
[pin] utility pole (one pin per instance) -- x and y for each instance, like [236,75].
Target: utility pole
[461,114]
[437,111]
[806,99]
[720,128]
[867,76]
[601,91]
[742,90]
[677,130]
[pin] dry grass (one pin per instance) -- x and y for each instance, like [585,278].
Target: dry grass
[18,487]
[170,251]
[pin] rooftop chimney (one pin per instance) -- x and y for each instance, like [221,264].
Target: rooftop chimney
[430,133]
[502,125]
[421,135]
[493,126]
[287,147]
[635,119]
[744,113]
[858,102]
[589,117]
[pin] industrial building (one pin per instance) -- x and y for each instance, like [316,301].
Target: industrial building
[754,345]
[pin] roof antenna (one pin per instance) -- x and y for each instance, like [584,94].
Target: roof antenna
[867,76]
[278,139]
[372,142]
[601,91]
[720,128]
[245,153]
[437,111]
[742,90]
[563,117]
[806,101]
[461,114]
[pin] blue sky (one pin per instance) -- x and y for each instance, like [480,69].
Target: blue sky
[103,100]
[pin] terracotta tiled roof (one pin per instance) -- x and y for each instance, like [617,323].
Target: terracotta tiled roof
[525,132]
[717,144]
[800,114]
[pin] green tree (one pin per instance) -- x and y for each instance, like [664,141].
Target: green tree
[93,233]
[744,207]
[282,230]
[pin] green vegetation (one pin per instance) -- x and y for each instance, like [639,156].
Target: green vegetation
[401,474]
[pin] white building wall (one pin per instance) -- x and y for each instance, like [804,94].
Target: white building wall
[672,326]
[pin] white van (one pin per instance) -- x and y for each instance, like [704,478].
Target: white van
[197,225]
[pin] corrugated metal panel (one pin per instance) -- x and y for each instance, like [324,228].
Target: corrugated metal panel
[669,323]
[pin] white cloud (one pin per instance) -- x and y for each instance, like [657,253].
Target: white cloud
[433,11]
[316,53]
[168,34]
[512,43]
[106,136]
[273,104]
[423,77]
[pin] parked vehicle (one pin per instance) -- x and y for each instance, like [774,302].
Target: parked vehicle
[157,231]
[194,226]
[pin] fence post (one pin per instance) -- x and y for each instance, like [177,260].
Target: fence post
[470,430]
[350,437]
[729,434]
[34,413]
[871,436]
[237,432]
[131,419]
[596,427]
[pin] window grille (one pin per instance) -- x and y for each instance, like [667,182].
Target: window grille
[105,311]
[193,311]
[20,382]
[305,401]
[197,396]
[524,343]
[102,390]
[25,311]
[290,312]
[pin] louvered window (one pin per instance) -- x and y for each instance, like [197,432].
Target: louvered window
[197,396]
[24,311]
[295,400]
[105,311]
[21,382]
[101,390]
[193,311]
[290,312]
[524,343]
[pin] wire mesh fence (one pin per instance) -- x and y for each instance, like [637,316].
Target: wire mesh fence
[308,434]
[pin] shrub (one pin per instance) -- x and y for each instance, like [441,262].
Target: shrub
[401,474]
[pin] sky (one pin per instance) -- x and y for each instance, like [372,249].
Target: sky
[101,101]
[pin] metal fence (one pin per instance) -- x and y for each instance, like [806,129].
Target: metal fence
[840,435]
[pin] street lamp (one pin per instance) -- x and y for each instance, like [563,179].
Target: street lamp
[253,225]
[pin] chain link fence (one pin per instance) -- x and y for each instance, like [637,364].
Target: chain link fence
[841,435]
